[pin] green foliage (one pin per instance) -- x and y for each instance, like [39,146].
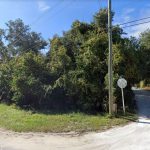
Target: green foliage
[84,51]
[80,67]
[101,18]
[145,39]
[3,49]
[144,56]
[5,79]
[73,75]
[30,80]
[20,39]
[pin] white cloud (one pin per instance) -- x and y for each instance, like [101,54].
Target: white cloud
[136,30]
[42,5]
[127,14]
[129,10]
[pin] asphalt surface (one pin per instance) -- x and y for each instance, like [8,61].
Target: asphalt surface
[135,136]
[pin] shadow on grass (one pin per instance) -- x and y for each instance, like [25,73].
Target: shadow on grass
[54,112]
[130,116]
[62,112]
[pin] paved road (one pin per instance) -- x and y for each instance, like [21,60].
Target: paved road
[135,136]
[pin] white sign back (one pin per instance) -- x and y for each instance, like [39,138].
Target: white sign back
[122,83]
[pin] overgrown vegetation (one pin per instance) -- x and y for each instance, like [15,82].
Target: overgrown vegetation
[73,74]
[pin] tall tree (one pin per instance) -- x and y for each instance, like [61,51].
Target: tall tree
[3,49]
[21,39]
[144,55]
[101,18]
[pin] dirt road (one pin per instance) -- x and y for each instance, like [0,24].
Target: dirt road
[135,136]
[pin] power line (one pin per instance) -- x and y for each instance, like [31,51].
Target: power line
[47,40]
[63,8]
[134,21]
[136,24]
[35,21]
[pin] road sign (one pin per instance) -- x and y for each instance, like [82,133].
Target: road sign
[122,83]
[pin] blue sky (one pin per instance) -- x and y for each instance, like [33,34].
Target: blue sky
[51,17]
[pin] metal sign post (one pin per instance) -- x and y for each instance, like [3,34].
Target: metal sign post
[122,83]
[123,101]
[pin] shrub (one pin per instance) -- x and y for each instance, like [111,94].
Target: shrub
[30,80]
[5,78]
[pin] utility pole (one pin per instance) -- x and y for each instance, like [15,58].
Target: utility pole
[110,61]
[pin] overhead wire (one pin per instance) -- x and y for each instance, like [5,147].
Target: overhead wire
[55,14]
[51,9]
[136,24]
[36,20]
[134,21]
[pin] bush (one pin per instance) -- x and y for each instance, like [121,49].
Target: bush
[30,80]
[5,78]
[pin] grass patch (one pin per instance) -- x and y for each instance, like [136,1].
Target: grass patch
[18,120]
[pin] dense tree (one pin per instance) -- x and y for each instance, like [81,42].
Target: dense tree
[3,49]
[73,75]
[21,39]
[101,18]
[5,80]
[79,59]
[145,39]
[124,58]
[144,55]
[31,80]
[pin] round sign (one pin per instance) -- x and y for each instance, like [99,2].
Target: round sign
[122,83]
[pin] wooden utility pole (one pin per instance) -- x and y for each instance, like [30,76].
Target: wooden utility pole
[110,61]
